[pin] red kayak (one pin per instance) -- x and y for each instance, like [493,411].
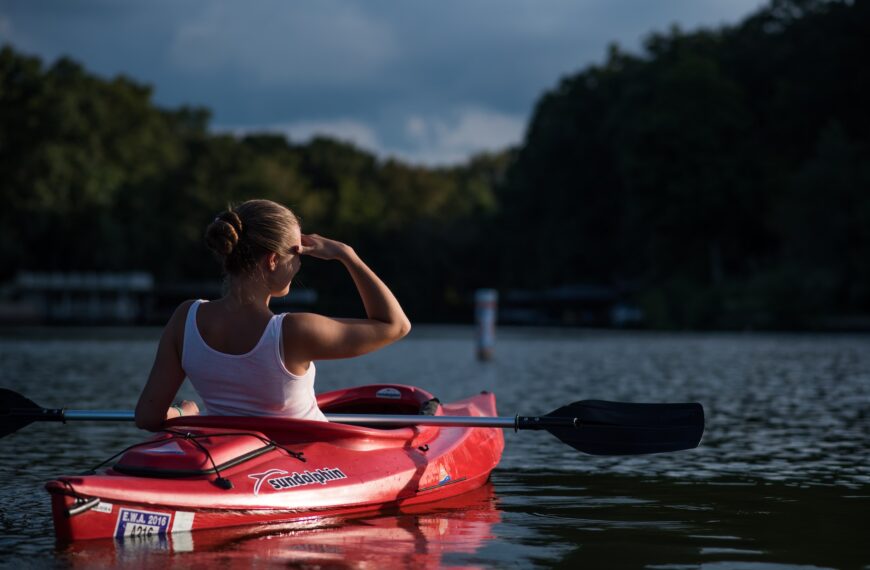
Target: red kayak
[206,472]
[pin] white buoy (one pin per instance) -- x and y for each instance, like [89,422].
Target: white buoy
[485,309]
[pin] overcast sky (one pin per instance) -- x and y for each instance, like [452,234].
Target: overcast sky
[429,82]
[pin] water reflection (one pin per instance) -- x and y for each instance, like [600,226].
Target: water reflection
[428,536]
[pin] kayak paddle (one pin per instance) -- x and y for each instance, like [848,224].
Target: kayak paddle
[596,427]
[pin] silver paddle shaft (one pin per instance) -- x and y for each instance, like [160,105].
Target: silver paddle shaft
[99,415]
[358,419]
[407,420]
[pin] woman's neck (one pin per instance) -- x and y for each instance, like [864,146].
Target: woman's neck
[247,294]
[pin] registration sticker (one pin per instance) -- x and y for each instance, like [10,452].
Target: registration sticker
[141,523]
[183,521]
[103,507]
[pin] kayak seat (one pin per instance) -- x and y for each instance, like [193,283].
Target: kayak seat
[393,399]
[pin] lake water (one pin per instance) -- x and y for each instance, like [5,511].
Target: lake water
[781,480]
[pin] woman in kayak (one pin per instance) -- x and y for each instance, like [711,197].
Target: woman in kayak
[245,361]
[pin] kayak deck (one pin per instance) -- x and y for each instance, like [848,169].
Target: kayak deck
[213,472]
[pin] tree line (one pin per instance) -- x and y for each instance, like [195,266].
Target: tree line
[721,176]
[718,179]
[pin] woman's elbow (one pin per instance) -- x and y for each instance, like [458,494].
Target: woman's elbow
[403,328]
[392,331]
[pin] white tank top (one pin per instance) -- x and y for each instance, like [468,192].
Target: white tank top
[253,384]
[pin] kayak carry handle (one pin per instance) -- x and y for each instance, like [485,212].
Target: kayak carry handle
[82,506]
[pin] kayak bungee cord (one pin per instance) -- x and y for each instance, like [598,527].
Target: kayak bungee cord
[192,438]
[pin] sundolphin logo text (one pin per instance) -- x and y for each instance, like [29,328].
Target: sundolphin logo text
[322,476]
[296,479]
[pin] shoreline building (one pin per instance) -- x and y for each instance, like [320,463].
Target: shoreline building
[132,298]
[78,297]
[579,304]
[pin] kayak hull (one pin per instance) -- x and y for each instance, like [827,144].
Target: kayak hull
[423,536]
[215,472]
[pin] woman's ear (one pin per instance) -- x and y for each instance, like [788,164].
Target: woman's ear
[271,261]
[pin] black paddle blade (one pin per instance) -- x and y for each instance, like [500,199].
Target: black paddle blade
[13,411]
[616,428]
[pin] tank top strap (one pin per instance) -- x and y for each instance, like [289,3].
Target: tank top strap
[191,336]
[276,331]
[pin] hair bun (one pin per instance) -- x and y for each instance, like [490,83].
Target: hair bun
[269,228]
[222,235]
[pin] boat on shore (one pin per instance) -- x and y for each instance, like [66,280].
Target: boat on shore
[208,472]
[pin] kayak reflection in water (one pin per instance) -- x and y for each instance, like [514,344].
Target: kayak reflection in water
[242,359]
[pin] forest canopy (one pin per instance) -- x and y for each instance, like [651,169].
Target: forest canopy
[718,179]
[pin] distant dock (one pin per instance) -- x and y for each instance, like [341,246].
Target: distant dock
[111,298]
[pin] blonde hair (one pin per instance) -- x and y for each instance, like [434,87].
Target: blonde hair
[241,235]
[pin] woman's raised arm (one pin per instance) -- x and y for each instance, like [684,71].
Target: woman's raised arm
[315,337]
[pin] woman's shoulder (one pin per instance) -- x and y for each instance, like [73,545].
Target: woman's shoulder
[174,329]
[183,308]
[179,316]
[299,328]
[291,322]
